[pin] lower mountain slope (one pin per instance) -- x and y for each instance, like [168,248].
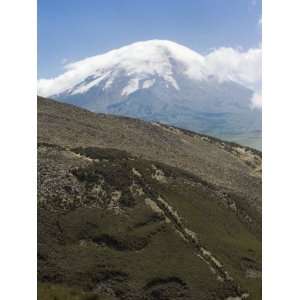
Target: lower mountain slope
[121,224]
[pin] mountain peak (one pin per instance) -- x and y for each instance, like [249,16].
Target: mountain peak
[140,59]
[165,48]
[160,80]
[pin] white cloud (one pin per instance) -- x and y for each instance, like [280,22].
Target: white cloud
[256,99]
[241,67]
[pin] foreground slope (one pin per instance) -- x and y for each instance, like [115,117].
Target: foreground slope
[132,210]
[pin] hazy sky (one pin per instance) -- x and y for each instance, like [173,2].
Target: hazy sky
[72,30]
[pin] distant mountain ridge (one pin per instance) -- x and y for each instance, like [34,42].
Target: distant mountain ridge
[159,81]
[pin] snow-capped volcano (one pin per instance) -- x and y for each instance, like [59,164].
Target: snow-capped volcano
[141,60]
[163,81]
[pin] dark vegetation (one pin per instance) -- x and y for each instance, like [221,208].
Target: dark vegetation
[104,233]
[128,251]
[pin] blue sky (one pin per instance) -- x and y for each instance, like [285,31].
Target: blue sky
[72,30]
